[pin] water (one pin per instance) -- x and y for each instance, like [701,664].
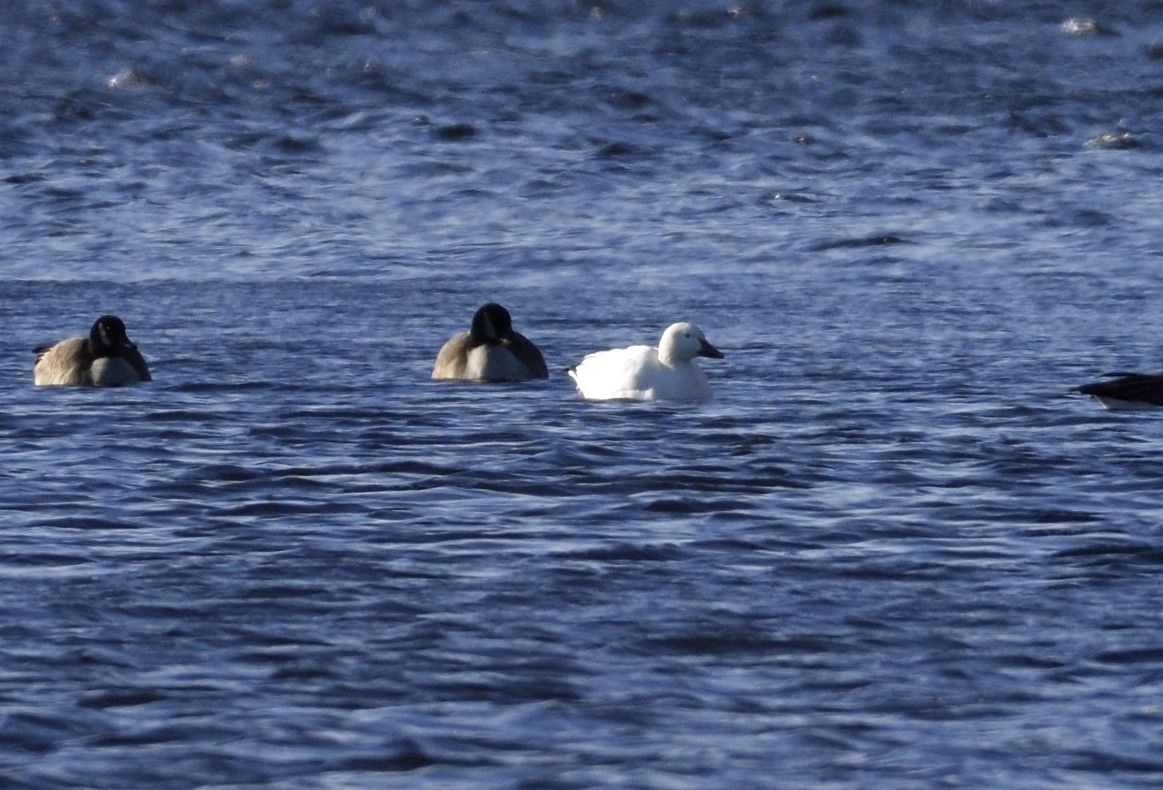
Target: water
[895,550]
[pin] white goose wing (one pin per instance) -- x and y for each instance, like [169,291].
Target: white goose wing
[617,373]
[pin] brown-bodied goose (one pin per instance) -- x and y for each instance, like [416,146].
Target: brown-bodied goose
[490,351]
[107,358]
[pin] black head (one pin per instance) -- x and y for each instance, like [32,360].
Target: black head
[108,338]
[491,324]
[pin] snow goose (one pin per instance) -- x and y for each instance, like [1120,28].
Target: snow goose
[668,372]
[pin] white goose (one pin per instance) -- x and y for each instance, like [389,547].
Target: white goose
[668,372]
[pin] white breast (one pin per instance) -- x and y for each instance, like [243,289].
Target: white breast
[113,372]
[494,363]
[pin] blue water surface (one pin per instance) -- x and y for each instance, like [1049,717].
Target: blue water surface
[894,551]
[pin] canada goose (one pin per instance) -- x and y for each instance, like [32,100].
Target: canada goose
[668,372]
[1127,390]
[490,351]
[106,359]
